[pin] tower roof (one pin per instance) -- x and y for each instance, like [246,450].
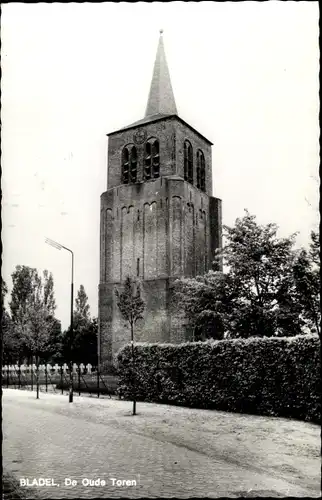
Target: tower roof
[161,98]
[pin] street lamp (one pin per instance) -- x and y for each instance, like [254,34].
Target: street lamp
[58,246]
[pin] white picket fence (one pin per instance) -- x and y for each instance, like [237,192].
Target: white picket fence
[53,369]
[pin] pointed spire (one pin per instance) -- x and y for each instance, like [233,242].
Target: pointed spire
[161,98]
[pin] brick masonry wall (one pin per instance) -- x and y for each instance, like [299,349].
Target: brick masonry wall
[115,332]
[182,133]
[163,130]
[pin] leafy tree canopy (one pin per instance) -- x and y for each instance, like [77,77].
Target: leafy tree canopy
[258,294]
[82,306]
[82,345]
[307,283]
[32,307]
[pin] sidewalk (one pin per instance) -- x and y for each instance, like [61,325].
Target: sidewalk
[167,450]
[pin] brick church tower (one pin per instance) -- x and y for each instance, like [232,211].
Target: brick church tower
[159,220]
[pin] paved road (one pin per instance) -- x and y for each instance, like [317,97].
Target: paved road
[164,451]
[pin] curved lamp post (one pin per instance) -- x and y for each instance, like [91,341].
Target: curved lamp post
[58,246]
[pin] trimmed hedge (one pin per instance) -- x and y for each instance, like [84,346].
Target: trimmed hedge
[263,376]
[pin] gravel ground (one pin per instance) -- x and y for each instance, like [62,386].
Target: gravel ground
[168,451]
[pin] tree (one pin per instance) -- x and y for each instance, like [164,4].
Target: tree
[85,343]
[4,291]
[82,307]
[37,332]
[314,250]
[85,331]
[307,282]
[131,307]
[130,303]
[205,300]
[10,347]
[28,288]
[255,296]
[32,295]
[53,352]
[48,292]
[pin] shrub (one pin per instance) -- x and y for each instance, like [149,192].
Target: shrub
[265,376]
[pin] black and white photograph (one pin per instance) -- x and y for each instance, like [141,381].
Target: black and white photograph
[160,283]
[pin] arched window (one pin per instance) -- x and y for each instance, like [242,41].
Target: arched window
[188,162]
[152,159]
[125,166]
[129,164]
[201,171]
[133,164]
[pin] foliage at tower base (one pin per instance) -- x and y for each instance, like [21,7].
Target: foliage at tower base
[268,288]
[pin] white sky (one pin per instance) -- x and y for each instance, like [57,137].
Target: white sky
[245,74]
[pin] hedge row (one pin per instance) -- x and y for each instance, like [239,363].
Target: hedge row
[264,376]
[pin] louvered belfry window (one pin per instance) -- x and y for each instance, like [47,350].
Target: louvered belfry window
[133,164]
[188,162]
[152,159]
[201,171]
[129,164]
